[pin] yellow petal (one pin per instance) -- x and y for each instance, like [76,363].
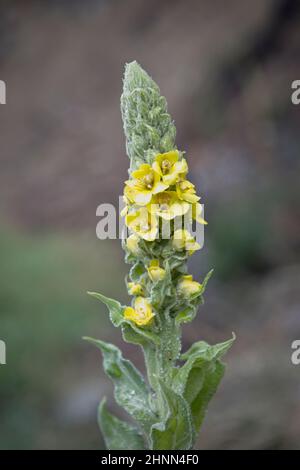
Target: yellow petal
[172,156]
[154,263]
[191,247]
[156,273]
[171,178]
[129,313]
[142,198]
[132,244]
[181,166]
[130,218]
[189,197]
[124,211]
[159,187]
[196,211]
[134,288]
[180,208]
[142,171]
[188,287]
[183,240]
[128,193]
[143,311]
[156,168]
[151,235]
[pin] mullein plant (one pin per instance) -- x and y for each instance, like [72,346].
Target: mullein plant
[167,410]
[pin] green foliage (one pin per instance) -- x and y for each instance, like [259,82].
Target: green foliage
[189,309]
[169,411]
[171,417]
[129,329]
[147,125]
[118,434]
[175,431]
[131,392]
[198,379]
[114,307]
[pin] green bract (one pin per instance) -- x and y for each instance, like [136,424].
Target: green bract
[169,407]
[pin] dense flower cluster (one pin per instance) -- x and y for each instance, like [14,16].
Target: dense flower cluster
[154,195]
[160,190]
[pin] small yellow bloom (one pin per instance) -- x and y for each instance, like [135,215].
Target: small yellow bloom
[128,194]
[124,211]
[183,240]
[156,273]
[132,244]
[169,167]
[134,288]
[186,191]
[141,314]
[168,206]
[196,213]
[145,182]
[128,199]
[142,223]
[187,287]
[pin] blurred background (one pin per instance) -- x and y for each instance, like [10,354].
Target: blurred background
[226,69]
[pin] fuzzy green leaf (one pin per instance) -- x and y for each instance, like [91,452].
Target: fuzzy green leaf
[198,379]
[118,435]
[114,307]
[149,349]
[187,314]
[131,332]
[204,351]
[137,270]
[177,260]
[206,279]
[130,391]
[176,431]
[138,335]
[212,376]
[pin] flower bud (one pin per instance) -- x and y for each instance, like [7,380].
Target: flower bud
[156,273]
[183,240]
[132,244]
[141,314]
[135,288]
[187,287]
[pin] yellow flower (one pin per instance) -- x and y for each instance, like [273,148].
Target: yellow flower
[169,167]
[128,199]
[196,213]
[132,244]
[143,224]
[124,211]
[145,182]
[156,273]
[135,288]
[168,206]
[183,240]
[141,314]
[128,194]
[186,191]
[187,287]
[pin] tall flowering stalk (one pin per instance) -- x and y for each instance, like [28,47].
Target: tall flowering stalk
[169,408]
